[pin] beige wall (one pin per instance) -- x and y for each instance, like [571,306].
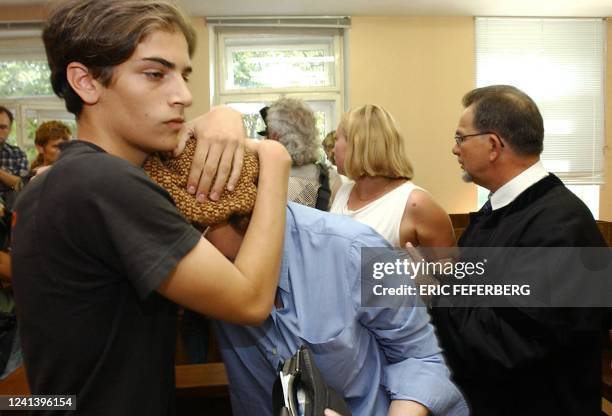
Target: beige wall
[13,13]
[418,68]
[199,81]
[605,197]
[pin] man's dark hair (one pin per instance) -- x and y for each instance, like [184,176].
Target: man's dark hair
[511,114]
[102,34]
[6,111]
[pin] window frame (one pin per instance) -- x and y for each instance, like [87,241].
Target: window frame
[335,93]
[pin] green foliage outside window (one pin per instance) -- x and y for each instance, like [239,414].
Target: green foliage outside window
[24,79]
[248,65]
[27,78]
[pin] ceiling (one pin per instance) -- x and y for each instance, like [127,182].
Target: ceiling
[564,8]
[567,8]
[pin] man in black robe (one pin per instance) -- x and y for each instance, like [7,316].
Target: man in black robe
[519,360]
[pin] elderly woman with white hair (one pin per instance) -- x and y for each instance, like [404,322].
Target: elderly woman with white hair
[291,122]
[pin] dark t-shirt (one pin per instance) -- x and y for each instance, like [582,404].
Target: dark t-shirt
[94,237]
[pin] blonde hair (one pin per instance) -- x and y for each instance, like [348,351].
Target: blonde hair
[375,147]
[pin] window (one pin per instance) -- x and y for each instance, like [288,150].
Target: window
[24,84]
[560,64]
[256,65]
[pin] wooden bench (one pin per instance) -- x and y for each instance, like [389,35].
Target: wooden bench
[203,380]
[15,384]
[191,380]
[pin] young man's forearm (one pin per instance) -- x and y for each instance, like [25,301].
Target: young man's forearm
[243,292]
[260,255]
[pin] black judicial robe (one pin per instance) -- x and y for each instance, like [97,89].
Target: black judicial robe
[529,361]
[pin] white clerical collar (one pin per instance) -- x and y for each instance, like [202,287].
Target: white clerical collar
[513,188]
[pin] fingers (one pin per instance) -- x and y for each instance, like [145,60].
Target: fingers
[329,412]
[197,166]
[209,170]
[413,252]
[219,152]
[237,162]
[223,171]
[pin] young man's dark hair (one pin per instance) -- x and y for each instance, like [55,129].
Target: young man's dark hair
[100,253]
[102,35]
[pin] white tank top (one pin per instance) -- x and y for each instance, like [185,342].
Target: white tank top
[383,214]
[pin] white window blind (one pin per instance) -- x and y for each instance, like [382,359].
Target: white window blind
[560,63]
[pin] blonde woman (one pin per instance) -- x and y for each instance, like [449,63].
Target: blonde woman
[372,152]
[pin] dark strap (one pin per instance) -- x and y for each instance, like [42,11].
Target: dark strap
[324,192]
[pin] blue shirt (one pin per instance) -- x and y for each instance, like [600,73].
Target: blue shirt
[369,355]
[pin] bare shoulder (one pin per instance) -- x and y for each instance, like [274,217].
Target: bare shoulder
[421,202]
[431,222]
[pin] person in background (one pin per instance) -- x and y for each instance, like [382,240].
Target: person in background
[13,161]
[291,122]
[48,138]
[328,146]
[520,360]
[372,152]
[10,347]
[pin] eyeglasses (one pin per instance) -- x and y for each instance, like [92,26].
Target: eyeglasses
[461,138]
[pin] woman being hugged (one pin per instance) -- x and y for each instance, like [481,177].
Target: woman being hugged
[372,152]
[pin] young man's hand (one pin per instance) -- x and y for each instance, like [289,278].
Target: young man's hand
[219,151]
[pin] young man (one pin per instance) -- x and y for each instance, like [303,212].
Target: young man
[100,252]
[382,360]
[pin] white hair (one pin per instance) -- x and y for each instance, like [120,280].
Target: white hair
[294,124]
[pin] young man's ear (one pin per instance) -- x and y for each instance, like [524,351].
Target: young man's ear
[83,83]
